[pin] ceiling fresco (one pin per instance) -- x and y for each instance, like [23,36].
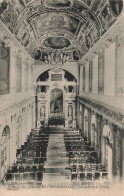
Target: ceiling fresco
[56,42]
[50,29]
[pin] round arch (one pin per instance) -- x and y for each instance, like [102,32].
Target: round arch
[47,68]
[5,151]
[6,131]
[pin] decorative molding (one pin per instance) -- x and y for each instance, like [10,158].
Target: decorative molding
[107,112]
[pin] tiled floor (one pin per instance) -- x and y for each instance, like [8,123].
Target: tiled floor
[57,171]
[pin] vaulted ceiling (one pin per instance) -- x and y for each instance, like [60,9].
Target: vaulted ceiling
[49,26]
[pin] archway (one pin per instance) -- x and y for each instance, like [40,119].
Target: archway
[5,151]
[107,151]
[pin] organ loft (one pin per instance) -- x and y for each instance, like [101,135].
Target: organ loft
[61,93]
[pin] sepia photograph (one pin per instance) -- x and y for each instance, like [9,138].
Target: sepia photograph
[61,97]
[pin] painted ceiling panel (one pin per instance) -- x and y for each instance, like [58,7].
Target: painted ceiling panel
[56,42]
[53,20]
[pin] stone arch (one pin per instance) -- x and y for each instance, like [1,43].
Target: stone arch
[5,151]
[6,131]
[39,72]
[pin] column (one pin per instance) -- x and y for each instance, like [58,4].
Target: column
[99,127]
[26,76]
[81,79]
[14,138]
[23,74]
[74,121]
[36,107]
[12,69]
[87,76]
[66,113]
[46,113]
[119,68]
[109,70]
[95,74]
[30,78]
[101,71]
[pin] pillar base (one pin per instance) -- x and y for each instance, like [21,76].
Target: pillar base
[38,124]
[74,123]
[46,123]
[66,123]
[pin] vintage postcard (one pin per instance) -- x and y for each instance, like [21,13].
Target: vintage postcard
[61,97]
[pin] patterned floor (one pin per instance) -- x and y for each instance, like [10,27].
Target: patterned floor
[57,170]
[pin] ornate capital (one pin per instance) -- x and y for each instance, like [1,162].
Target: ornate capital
[108,42]
[94,54]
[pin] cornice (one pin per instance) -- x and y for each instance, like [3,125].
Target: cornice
[112,114]
[21,104]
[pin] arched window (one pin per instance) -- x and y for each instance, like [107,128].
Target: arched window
[5,150]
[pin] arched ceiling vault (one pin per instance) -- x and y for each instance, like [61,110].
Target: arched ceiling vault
[56,29]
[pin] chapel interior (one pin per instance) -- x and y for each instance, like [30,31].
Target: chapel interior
[61,93]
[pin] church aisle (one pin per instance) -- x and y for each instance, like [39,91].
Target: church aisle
[56,160]
[57,170]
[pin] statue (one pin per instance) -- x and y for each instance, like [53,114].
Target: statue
[70,111]
[42,111]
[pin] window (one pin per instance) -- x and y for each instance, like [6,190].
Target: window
[43,89]
[70,88]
